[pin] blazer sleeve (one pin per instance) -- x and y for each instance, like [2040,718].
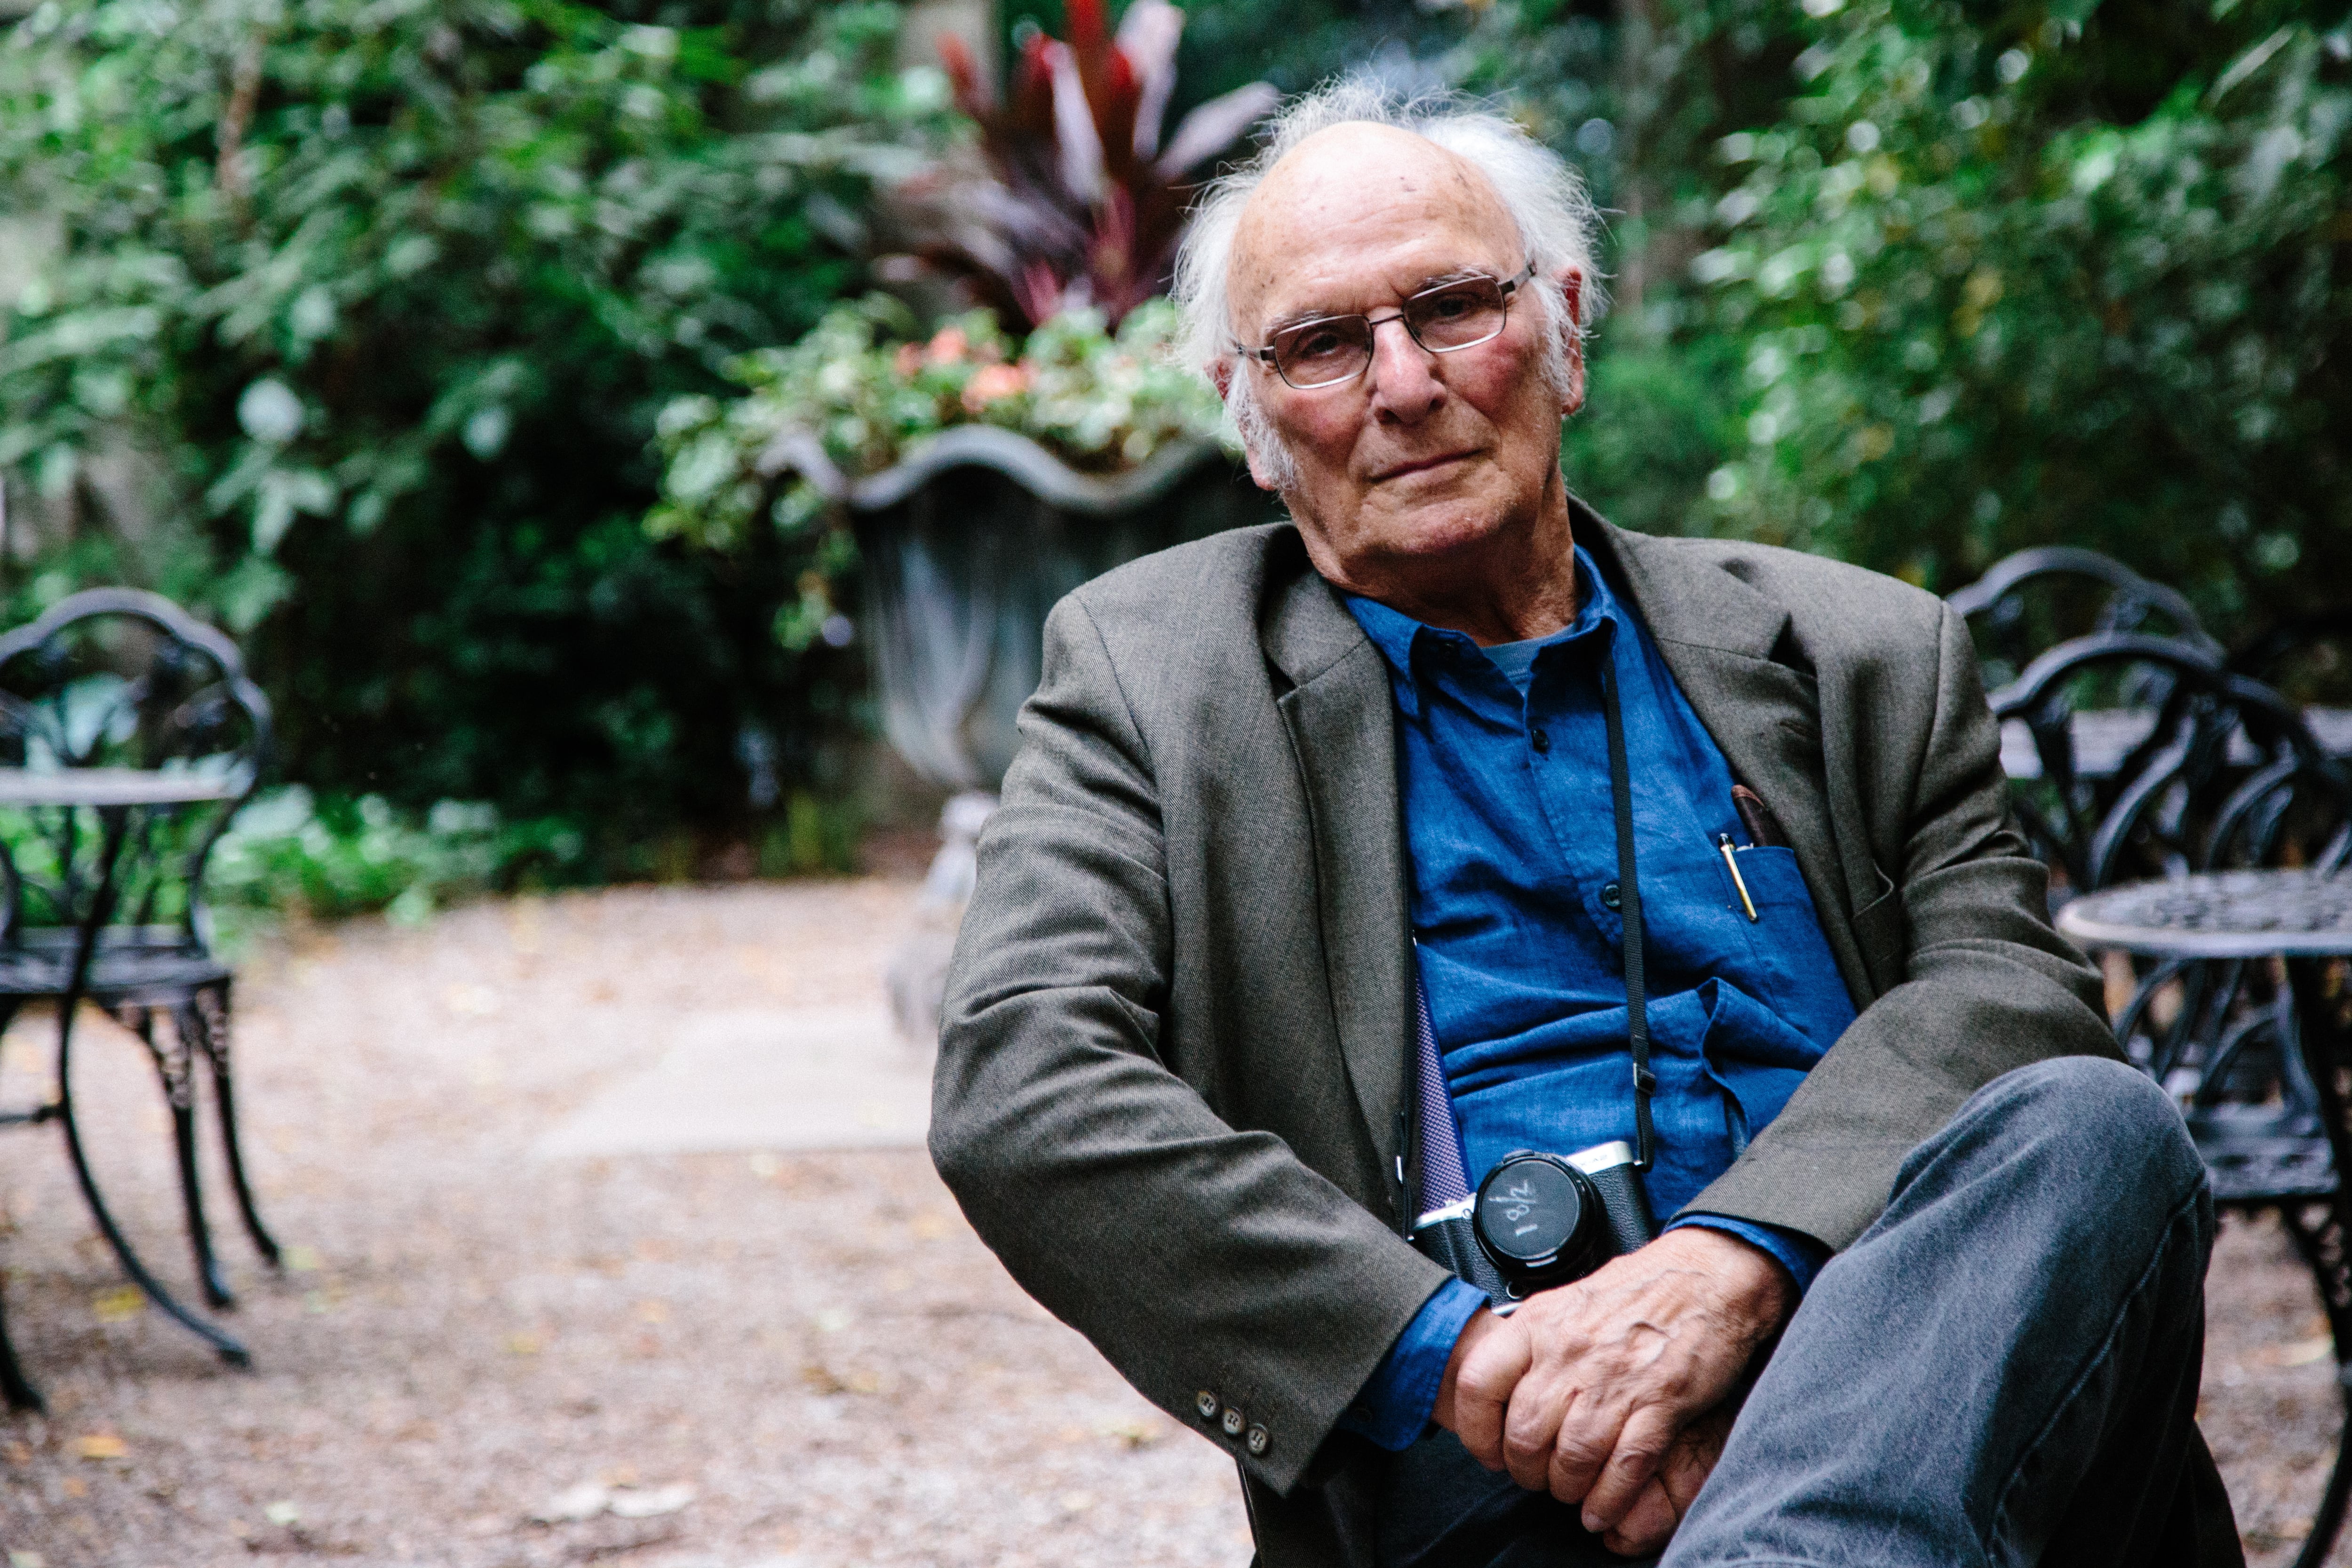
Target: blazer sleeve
[1210,1264]
[1988,986]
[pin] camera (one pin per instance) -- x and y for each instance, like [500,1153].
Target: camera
[1539,1220]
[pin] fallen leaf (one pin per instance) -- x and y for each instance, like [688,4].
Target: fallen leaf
[652,1502]
[75,1487]
[28,1559]
[831,1321]
[522,1344]
[929,1226]
[119,1305]
[1077,1502]
[2302,1353]
[1137,1433]
[282,1514]
[2289,1529]
[764,1164]
[300,1259]
[574,1504]
[18,1453]
[652,1311]
[101,1446]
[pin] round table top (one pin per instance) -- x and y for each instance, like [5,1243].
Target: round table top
[114,786]
[2223,914]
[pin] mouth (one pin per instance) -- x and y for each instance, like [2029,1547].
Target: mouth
[1424,465]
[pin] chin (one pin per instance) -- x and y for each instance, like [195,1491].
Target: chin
[1440,530]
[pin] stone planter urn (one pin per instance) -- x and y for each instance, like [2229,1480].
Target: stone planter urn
[968,542]
[966,545]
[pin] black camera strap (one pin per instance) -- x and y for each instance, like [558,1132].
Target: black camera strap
[1628,900]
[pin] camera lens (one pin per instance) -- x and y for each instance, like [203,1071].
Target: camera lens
[1537,1216]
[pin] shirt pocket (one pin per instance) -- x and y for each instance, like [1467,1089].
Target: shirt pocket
[1787,952]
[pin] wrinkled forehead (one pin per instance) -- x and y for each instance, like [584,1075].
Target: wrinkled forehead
[1357,212]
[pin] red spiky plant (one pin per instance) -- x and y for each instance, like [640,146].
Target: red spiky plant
[1077,201]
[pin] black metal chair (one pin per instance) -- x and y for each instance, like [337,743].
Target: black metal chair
[128,735]
[2030,602]
[2226,776]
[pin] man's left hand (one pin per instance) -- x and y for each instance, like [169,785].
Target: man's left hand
[1583,1390]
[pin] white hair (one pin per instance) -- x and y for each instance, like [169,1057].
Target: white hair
[1545,198]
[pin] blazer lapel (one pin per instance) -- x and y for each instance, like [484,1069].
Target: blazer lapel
[1716,635]
[1343,733]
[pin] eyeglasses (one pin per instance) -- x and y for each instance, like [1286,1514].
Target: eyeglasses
[1445,319]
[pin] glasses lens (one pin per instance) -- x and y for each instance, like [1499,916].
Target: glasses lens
[1456,315]
[1317,353]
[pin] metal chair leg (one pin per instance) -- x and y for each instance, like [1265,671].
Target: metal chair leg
[16,1388]
[176,1066]
[213,1036]
[229,1349]
[101,908]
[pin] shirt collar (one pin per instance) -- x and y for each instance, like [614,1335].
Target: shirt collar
[1398,636]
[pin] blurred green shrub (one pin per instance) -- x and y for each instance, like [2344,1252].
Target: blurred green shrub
[383,299]
[1985,302]
[288,851]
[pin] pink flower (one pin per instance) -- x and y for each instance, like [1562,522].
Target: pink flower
[949,347]
[906,361]
[993,382]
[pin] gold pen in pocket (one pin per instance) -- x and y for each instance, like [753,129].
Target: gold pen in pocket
[1723,842]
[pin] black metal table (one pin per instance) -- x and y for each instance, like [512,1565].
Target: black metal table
[2305,918]
[117,795]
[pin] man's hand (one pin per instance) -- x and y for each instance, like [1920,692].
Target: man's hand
[1585,1389]
[1651,1522]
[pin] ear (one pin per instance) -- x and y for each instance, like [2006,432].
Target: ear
[1220,371]
[1569,281]
[1259,475]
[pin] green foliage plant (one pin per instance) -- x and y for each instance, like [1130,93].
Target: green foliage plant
[390,295]
[288,853]
[2073,276]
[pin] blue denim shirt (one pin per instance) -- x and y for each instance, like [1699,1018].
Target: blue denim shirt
[1503,764]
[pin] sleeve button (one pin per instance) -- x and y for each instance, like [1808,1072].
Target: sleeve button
[1206,1403]
[1259,1439]
[1233,1422]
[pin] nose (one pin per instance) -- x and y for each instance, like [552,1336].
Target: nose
[1405,385]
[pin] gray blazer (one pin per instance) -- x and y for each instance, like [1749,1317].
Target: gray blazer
[1177,1029]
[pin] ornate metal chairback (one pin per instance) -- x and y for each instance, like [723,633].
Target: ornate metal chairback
[2217,772]
[2036,599]
[116,677]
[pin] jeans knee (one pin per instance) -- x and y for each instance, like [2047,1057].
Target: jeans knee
[2102,1114]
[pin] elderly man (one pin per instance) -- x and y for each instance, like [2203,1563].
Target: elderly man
[1346,859]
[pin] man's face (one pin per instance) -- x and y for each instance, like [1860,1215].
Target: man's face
[1425,454]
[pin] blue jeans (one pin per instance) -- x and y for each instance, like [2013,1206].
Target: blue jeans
[2002,1369]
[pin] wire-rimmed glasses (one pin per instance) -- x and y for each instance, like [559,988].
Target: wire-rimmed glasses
[1460,313]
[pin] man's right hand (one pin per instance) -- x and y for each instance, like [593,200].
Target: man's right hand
[1586,1391]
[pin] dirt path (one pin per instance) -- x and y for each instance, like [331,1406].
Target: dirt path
[765,1359]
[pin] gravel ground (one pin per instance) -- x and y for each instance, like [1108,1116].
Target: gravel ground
[717,1361]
